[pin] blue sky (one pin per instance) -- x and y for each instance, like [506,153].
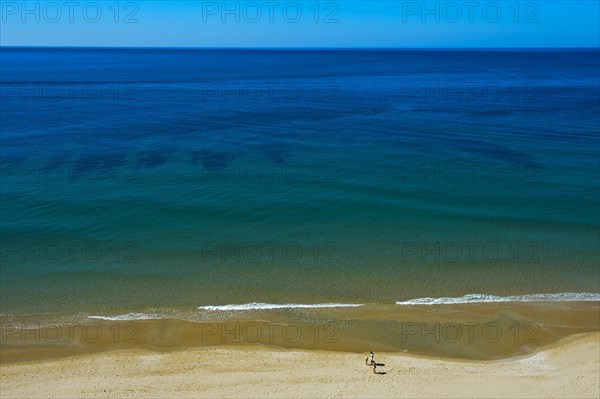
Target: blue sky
[342,23]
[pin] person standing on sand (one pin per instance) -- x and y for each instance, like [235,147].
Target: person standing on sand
[370,361]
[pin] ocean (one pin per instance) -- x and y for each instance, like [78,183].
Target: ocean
[170,186]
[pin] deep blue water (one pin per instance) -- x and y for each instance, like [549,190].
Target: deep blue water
[174,178]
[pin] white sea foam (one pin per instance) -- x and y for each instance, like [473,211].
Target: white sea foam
[126,317]
[470,298]
[263,306]
[480,298]
[248,306]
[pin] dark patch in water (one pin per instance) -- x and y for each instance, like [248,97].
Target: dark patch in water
[495,151]
[211,160]
[56,162]
[275,152]
[150,159]
[103,162]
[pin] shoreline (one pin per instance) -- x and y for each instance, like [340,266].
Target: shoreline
[568,368]
[475,331]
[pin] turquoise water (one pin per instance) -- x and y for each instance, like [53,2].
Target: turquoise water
[137,179]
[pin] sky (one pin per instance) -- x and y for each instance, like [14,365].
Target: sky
[281,23]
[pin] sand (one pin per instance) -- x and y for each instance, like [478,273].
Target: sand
[569,369]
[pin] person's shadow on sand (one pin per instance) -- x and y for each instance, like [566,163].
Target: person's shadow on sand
[380,372]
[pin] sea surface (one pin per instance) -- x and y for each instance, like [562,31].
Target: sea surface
[195,185]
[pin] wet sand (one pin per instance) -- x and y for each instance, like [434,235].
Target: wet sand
[478,331]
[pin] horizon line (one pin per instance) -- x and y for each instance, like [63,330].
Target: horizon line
[297,48]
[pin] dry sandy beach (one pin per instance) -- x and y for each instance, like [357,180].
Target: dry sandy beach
[569,369]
